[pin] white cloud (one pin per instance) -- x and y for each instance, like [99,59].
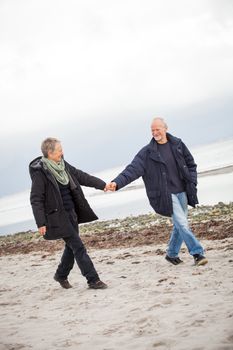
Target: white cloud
[85,58]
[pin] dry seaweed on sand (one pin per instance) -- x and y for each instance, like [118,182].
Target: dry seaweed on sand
[208,222]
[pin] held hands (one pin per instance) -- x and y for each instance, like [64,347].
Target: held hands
[110,187]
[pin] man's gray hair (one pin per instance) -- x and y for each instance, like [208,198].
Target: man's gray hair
[161,119]
[49,144]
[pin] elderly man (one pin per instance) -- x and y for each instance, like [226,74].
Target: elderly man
[59,205]
[169,173]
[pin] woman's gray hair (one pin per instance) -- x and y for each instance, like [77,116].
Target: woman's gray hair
[49,144]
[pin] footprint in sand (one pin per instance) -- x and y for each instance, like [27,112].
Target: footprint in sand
[230,339]
[197,323]
[112,330]
[154,307]
[10,304]
[167,301]
[15,347]
[5,290]
[142,320]
[160,343]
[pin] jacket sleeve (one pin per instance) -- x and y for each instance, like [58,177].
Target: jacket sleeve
[37,199]
[132,172]
[191,165]
[85,179]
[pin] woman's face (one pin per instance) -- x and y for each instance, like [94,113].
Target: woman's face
[57,154]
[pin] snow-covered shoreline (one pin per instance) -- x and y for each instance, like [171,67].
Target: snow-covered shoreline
[215,184]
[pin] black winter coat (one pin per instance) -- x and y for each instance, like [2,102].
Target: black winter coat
[47,202]
[149,164]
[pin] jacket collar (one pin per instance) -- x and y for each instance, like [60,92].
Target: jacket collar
[153,147]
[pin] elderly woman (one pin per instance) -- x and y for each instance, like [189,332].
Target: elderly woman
[59,205]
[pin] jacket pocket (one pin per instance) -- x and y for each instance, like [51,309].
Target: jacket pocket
[53,219]
[191,191]
[153,193]
[154,197]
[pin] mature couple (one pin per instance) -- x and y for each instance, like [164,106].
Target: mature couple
[168,171]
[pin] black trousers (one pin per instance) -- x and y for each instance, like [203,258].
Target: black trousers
[75,250]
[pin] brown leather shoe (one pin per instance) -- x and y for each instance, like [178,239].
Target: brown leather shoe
[97,285]
[64,283]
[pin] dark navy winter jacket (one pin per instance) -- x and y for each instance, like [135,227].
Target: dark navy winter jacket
[149,164]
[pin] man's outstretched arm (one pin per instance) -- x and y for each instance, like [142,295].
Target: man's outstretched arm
[132,172]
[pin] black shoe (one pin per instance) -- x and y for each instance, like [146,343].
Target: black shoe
[199,259]
[64,283]
[97,285]
[174,261]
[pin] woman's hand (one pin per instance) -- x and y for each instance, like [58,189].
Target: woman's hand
[42,230]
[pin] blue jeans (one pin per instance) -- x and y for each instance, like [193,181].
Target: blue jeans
[181,231]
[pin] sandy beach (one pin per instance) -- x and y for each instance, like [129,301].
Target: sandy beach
[149,304]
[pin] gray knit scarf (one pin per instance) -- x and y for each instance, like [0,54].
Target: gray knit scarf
[57,169]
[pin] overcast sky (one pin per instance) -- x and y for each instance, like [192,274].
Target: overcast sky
[94,73]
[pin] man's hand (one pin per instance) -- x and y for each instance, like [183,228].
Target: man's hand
[42,230]
[110,187]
